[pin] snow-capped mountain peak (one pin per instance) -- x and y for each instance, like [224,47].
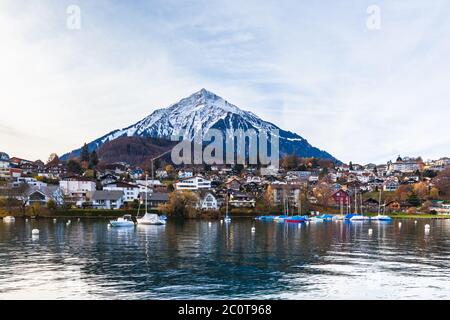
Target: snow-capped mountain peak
[195,115]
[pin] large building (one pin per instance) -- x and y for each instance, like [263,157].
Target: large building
[281,192]
[406,165]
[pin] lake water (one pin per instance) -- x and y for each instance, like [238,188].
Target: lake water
[202,260]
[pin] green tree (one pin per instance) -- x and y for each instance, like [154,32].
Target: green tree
[414,200]
[84,156]
[74,167]
[429,174]
[351,166]
[314,163]
[93,159]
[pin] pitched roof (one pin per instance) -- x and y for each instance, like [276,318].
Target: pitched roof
[107,195]
[121,184]
[159,196]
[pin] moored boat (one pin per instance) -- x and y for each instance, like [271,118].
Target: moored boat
[297,219]
[359,217]
[125,221]
[265,218]
[281,218]
[151,219]
[9,219]
[381,218]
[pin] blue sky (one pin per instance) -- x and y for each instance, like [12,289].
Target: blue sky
[312,67]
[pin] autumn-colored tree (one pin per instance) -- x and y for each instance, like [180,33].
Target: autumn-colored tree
[421,189]
[53,160]
[442,182]
[403,192]
[267,203]
[326,163]
[434,193]
[169,169]
[290,162]
[323,192]
[182,204]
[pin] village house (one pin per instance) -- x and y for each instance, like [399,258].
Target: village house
[371,204]
[392,206]
[151,185]
[108,178]
[391,184]
[302,175]
[17,162]
[283,191]
[207,201]
[155,199]
[382,170]
[440,207]
[130,191]
[242,200]
[136,173]
[117,168]
[233,184]
[42,195]
[32,182]
[184,174]
[53,171]
[15,173]
[194,183]
[76,189]
[103,199]
[341,197]
[161,174]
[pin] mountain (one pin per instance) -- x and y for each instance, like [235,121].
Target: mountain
[136,151]
[198,113]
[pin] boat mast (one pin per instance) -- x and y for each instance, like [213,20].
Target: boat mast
[146,191]
[287,199]
[226,212]
[379,204]
[299,204]
[356,202]
[361,203]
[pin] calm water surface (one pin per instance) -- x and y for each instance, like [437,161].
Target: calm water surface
[202,260]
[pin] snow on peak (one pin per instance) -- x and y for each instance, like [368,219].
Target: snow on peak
[193,116]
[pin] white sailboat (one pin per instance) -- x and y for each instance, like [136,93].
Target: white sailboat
[361,216]
[381,217]
[149,218]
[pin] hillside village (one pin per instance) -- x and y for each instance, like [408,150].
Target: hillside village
[407,185]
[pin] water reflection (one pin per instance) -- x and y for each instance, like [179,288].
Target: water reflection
[201,259]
